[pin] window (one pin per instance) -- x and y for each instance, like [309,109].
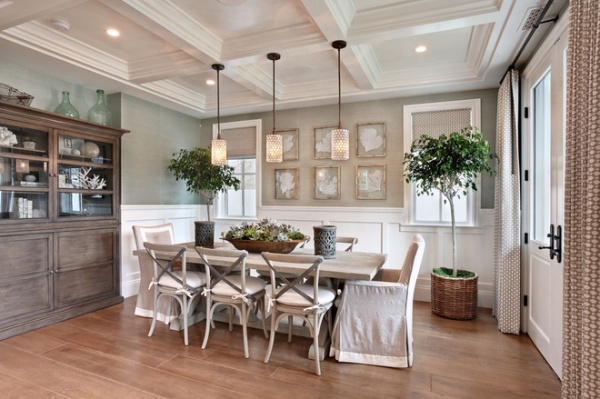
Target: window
[435,119]
[243,154]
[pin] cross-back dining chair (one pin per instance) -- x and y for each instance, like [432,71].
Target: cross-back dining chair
[290,296]
[349,242]
[385,311]
[229,284]
[182,285]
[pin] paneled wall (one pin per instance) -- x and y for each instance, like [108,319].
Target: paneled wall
[377,229]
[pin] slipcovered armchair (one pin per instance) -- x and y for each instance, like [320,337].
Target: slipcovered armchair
[157,234]
[374,320]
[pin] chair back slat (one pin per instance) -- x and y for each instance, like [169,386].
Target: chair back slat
[231,260]
[352,241]
[311,266]
[174,255]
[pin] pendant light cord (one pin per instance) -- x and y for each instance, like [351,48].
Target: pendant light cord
[273,95]
[339,44]
[339,92]
[218,107]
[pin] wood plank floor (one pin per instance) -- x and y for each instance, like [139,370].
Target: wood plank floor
[107,354]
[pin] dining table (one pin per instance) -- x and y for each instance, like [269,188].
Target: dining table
[344,266]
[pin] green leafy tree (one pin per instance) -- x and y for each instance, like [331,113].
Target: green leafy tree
[449,164]
[201,176]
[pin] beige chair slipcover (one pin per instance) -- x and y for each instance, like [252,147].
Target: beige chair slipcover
[374,320]
[159,234]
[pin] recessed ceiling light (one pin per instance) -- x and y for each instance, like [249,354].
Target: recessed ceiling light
[113,32]
[210,82]
[421,49]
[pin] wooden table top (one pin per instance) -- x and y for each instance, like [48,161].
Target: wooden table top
[345,266]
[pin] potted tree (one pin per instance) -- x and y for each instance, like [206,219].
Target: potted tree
[450,164]
[201,176]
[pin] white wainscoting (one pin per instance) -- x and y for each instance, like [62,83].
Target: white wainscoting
[377,229]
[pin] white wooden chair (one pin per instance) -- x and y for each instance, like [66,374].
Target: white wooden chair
[232,286]
[290,296]
[182,285]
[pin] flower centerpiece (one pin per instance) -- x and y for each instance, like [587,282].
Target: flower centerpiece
[265,236]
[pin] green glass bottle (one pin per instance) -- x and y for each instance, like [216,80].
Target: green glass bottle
[66,108]
[100,113]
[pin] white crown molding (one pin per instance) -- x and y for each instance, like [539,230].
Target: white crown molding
[178,94]
[163,66]
[38,37]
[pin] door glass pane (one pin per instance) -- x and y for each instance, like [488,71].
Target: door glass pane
[541,160]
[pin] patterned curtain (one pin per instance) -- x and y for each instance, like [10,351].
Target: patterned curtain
[581,304]
[507,243]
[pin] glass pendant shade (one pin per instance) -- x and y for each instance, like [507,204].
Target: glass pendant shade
[340,144]
[274,148]
[218,152]
[22,166]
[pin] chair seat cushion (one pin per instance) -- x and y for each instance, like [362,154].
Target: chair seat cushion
[253,285]
[193,279]
[292,298]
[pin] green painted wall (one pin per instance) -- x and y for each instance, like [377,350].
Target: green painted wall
[156,133]
[388,111]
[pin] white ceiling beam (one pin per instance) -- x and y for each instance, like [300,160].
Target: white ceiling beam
[163,66]
[164,19]
[333,17]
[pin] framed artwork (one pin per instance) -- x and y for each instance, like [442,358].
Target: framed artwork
[286,183]
[67,142]
[326,182]
[370,182]
[370,140]
[290,144]
[322,142]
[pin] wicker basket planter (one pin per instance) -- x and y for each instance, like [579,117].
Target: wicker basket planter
[454,298]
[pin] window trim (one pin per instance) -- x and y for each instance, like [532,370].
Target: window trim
[253,123]
[474,202]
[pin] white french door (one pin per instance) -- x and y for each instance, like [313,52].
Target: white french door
[544,92]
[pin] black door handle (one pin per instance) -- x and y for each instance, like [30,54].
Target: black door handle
[555,243]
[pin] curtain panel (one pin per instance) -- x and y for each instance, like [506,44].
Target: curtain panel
[507,229]
[581,303]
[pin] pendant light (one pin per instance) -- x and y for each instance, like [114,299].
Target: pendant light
[340,138]
[274,142]
[218,147]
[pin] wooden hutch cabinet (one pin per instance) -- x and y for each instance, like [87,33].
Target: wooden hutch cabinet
[59,218]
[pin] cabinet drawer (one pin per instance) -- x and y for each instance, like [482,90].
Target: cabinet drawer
[83,248]
[24,296]
[22,255]
[87,282]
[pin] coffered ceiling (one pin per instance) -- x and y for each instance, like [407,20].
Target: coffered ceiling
[166,47]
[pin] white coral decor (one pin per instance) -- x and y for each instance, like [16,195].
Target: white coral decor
[94,183]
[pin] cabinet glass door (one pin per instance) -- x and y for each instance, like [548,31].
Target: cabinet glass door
[85,177]
[24,161]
